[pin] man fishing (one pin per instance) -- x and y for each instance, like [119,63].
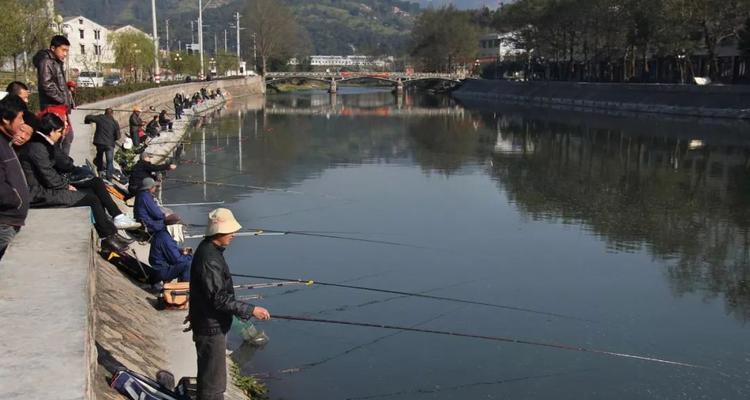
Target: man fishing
[213,304]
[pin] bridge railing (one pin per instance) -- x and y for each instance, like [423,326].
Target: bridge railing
[393,76]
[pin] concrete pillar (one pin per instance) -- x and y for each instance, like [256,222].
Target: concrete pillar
[332,88]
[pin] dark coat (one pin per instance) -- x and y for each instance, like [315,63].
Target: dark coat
[53,88]
[147,212]
[212,301]
[163,120]
[135,123]
[141,170]
[48,188]
[165,253]
[14,191]
[107,129]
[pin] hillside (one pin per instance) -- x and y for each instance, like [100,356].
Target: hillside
[335,26]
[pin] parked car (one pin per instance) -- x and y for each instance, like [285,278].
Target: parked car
[90,79]
[112,80]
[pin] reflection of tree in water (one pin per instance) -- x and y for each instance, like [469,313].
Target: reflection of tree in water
[445,144]
[687,207]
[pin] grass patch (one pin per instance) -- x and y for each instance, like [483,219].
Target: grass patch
[250,385]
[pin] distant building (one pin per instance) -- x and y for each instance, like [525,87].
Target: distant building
[90,49]
[494,46]
[320,62]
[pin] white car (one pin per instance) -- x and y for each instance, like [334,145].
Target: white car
[90,79]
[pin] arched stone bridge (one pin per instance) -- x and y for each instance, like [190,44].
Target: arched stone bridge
[398,79]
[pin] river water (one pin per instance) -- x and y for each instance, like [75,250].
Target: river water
[636,225]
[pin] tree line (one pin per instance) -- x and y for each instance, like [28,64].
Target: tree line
[597,40]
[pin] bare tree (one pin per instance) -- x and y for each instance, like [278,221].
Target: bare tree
[277,33]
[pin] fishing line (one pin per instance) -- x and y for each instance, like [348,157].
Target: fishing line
[233,185]
[267,232]
[206,203]
[426,296]
[464,385]
[559,346]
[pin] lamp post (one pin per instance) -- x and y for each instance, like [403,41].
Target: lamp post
[156,42]
[200,36]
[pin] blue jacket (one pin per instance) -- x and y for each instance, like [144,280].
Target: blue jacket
[165,253]
[148,212]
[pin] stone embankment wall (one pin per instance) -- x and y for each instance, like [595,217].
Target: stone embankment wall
[62,306]
[690,100]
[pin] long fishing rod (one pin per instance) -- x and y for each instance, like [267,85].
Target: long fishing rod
[267,232]
[205,203]
[559,346]
[235,185]
[255,233]
[272,285]
[421,295]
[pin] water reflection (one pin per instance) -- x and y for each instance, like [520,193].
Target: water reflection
[638,185]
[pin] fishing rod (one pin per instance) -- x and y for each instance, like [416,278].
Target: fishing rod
[420,295]
[255,233]
[206,203]
[267,232]
[235,185]
[559,346]
[272,285]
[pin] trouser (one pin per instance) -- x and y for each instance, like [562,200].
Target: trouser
[179,271]
[135,138]
[67,142]
[166,126]
[212,366]
[7,233]
[97,197]
[101,152]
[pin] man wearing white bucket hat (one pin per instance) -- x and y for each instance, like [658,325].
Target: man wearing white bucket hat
[212,303]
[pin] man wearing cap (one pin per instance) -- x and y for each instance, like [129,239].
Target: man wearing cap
[136,124]
[212,303]
[147,212]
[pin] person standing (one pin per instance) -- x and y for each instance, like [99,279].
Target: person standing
[105,138]
[67,141]
[177,101]
[14,191]
[54,94]
[213,304]
[136,125]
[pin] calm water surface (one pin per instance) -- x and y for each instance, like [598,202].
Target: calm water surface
[640,225]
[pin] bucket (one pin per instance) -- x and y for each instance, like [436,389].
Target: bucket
[248,332]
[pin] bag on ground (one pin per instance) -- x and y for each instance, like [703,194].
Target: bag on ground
[135,386]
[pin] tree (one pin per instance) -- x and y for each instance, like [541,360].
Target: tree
[743,44]
[134,52]
[278,35]
[226,61]
[25,29]
[444,38]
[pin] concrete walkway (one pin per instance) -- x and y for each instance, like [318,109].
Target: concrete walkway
[45,308]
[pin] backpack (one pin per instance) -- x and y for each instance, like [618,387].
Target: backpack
[135,386]
[129,264]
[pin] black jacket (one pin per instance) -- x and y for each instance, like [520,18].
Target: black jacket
[107,130]
[212,301]
[53,88]
[141,170]
[14,192]
[48,188]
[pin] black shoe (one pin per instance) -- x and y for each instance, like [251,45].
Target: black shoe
[125,239]
[113,244]
[117,242]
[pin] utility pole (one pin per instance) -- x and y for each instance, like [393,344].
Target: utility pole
[216,45]
[200,35]
[156,42]
[237,25]
[167,23]
[192,33]
[225,41]
[179,45]
[255,56]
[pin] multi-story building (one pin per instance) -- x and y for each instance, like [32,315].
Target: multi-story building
[90,49]
[496,46]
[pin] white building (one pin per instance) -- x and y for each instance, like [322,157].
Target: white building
[496,45]
[90,49]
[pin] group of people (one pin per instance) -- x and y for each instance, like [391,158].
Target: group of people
[36,171]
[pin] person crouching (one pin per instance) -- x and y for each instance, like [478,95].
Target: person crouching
[213,304]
